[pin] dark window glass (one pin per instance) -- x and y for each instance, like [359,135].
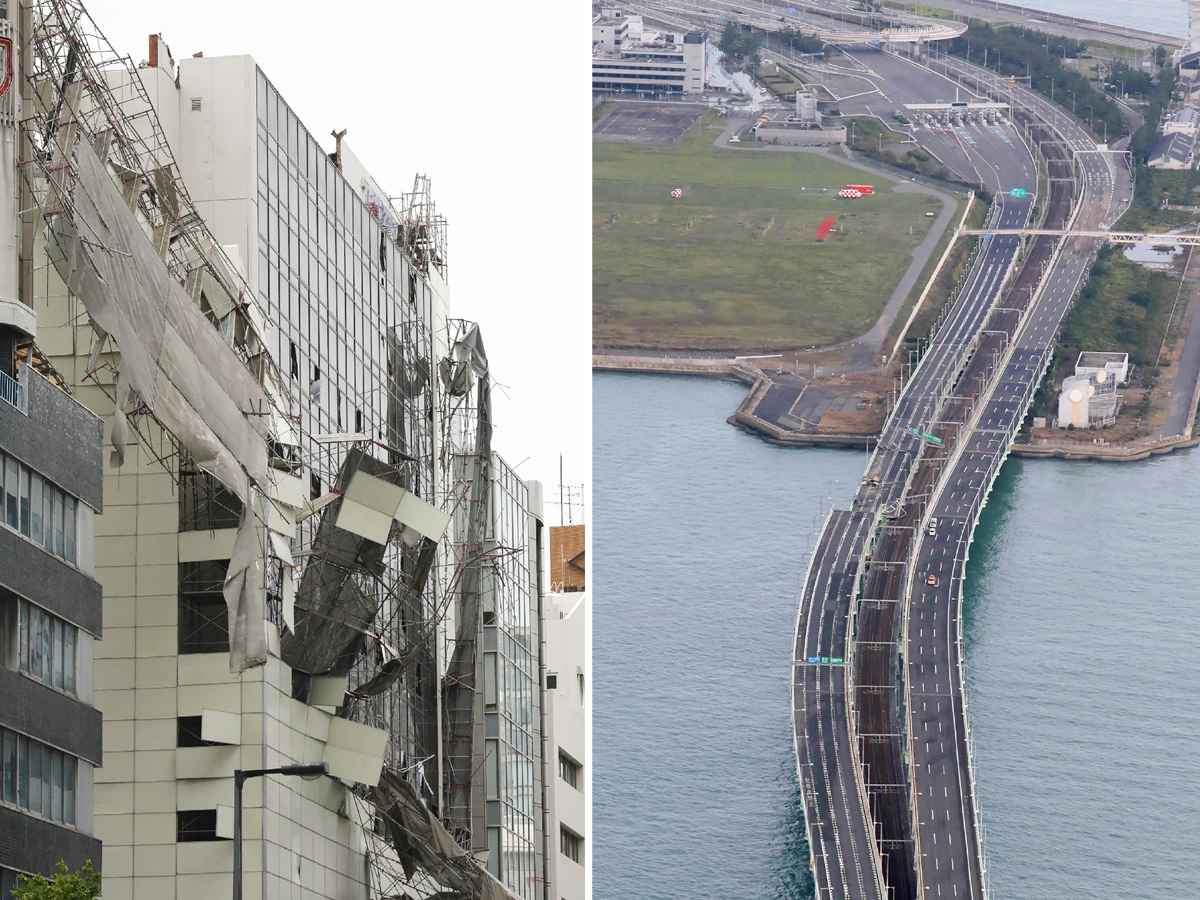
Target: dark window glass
[188,733]
[35,514]
[58,523]
[69,530]
[57,630]
[11,478]
[36,658]
[25,502]
[69,658]
[205,503]
[56,811]
[196,825]
[69,764]
[22,773]
[10,767]
[203,616]
[35,777]
[24,637]
[48,516]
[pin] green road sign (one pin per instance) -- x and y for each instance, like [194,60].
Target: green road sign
[1017,193]
[836,659]
[824,659]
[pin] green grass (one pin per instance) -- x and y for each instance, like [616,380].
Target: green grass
[1124,308]
[734,265]
[600,111]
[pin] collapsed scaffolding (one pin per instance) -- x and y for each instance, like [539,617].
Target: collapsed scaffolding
[179,344]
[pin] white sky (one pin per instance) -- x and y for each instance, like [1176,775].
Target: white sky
[490,102]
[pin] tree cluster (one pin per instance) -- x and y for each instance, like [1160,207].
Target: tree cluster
[1019,52]
[739,45]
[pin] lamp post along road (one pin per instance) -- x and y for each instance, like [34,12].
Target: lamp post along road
[240,776]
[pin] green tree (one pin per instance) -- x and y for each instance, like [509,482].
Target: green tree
[66,885]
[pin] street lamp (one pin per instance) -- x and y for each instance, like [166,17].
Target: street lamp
[1072,102]
[304,770]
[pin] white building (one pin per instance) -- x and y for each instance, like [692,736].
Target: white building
[657,65]
[613,28]
[307,541]
[1089,399]
[566,680]
[1093,362]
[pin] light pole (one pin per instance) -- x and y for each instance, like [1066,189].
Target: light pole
[1072,103]
[304,770]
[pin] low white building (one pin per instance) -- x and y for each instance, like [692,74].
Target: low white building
[612,28]
[1094,362]
[656,65]
[1089,400]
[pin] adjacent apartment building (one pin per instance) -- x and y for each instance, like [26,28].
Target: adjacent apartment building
[309,549]
[50,606]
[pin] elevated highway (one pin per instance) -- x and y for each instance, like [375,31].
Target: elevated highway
[880,611]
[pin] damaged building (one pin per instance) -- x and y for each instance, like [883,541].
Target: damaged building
[309,549]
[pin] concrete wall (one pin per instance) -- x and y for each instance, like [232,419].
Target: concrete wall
[566,715]
[771,133]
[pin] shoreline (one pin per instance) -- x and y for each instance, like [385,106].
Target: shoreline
[758,382]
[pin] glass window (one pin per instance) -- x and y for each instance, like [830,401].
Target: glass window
[56,812]
[69,764]
[58,522]
[35,504]
[47,647]
[69,530]
[24,501]
[48,516]
[23,772]
[24,637]
[47,782]
[10,767]
[10,491]
[35,777]
[69,658]
[35,641]
[203,614]
[58,653]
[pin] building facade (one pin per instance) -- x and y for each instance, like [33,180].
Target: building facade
[50,613]
[659,65]
[566,678]
[284,576]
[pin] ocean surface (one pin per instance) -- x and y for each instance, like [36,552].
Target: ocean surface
[1159,16]
[1082,631]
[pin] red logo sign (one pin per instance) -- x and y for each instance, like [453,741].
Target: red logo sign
[6,68]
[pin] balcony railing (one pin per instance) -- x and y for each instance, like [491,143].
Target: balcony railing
[12,392]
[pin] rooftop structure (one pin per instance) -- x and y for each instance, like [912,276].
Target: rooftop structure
[626,60]
[1092,362]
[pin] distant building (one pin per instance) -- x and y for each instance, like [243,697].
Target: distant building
[567,559]
[816,121]
[1090,397]
[1183,121]
[626,59]
[612,29]
[566,662]
[1092,363]
[1173,151]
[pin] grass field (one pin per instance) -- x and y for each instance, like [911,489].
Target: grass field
[734,264]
